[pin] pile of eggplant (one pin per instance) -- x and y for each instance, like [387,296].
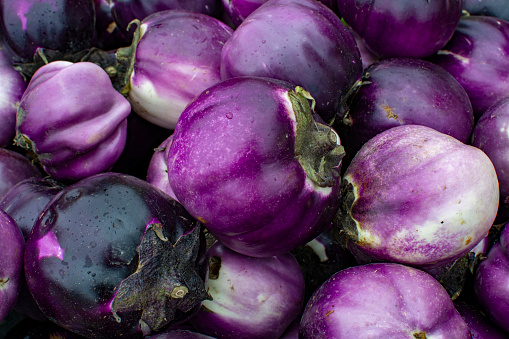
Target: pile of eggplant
[273,169]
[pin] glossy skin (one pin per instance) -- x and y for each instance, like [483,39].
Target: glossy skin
[393,28]
[157,172]
[11,89]
[14,168]
[238,10]
[63,25]
[83,250]
[312,49]
[480,326]
[251,297]
[402,91]
[233,165]
[124,11]
[490,135]
[384,300]
[84,131]
[492,282]
[497,8]
[177,57]
[391,213]
[476,56]
[11,263]
[24,202]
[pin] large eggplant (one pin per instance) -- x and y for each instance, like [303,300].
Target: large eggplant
[249,160]
[73,119]
[416,196]
[299,41]
[382,300]
[394,28]
[111,256]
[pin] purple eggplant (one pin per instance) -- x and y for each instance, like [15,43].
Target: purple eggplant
[157,172]
[492,282]
[14,168]
[177,56]
[481,327]
[107,34]
[32,329]
[496,8]
[394,28]
[12,87]
[24,202]
[383,300]
[11,263]
[179,334]
[250,162]
[416,196]
[491,136]
[112,256]
[251,297]
[73,119]
[302,42]
[125,11]
[403,91]
[476,56]
[66,26]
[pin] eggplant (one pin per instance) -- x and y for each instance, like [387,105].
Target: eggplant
[490,135]
[481,327]
[382,300]
[14,168]
[157,172]
[107,34]
[302,42]
[12,87]
[416,196]
[402,91]
[251,297]
[177,56]
[73,119]
[476,55]
[491,283]
[30,26]
[251,163]
[11,263]
[33,329]
[179,334]
[394,28]
[496,8]
[112,256]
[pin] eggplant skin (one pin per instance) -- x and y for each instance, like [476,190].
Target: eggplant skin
[382,300]
[89,240]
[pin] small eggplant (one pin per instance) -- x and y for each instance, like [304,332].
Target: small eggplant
[14,168]
[112,256]
[252,164]
[73,119]
[382,300]
[416,196]
[157,172]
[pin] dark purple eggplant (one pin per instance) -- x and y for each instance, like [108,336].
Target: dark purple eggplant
[32,329]
[395,28]
[496,8]
[66,26]
[107,34]
[14,168]
[111,256]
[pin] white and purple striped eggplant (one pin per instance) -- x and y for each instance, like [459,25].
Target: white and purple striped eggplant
[73,119]
[250,162]
[416,196]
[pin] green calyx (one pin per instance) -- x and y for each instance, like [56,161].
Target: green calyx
[316,145]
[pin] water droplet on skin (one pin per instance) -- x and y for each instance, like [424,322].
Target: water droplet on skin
[229,115]
[264,41]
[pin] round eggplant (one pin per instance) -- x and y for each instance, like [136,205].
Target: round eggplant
[491,283]
[481,327]
[394,28]
[177,56]
[14,168]
[251,297]
[302,42]
[403,91]
[73,119]
[11,263]
[491,136]
[111,256]
[157,172]
[12,87]
[416,196]
[250,162]
[66,26]
[382,300]
[476,56]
